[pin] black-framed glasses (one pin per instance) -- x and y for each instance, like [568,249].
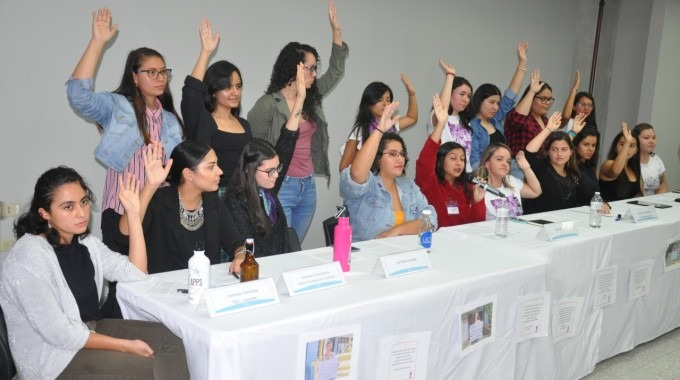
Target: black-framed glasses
[153,73]
[395,154]
[312,69]
[273,171]
[544,99]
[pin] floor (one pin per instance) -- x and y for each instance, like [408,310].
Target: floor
[655,360]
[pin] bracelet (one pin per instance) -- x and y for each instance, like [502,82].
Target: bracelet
[378,129]
[452,74]
[572,134]
[522,68]
[411,94]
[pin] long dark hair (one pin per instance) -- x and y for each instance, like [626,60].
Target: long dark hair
[285,71]
[372,94]
[31,222]
[444,150]
[591,121]
[375,168]
[216,79]
[571,167]
[243,184]
[633,163]
[465,115]
[129,89]
[187,155]
[484,91]
[587,132]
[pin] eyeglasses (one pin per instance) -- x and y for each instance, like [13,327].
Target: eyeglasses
[153,73]
[585,105]
[273,171]
[312,69]
[544,99]
[395,154]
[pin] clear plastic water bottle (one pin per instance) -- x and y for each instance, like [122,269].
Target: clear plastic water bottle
[502,217]
[596,211]
[425,230]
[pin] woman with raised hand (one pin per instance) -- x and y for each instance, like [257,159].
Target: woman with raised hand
[189,211]
[494,169]
[381,200]
[620,174]
[524,122]
[376,97]
[252,193]
[211,106]
[271,111]
[489,109]
[652,168]
[556,170]
[440,174]
[52,286]
[140,111]
[576,104]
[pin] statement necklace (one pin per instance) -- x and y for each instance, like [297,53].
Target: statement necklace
[191,220]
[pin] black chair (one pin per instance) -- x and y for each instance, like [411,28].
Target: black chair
[6,363]
[328,229]
[293,240]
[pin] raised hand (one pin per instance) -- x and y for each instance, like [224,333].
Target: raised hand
[153,164]
[209,41]
[102,30]
[448,69]
[440,111]
[579,123]
[522,52]
[577,81]
[128,193]
[386,120]
[407,83]
[300,81]
[536,83]
[554,121]
[333,16]
[522,162]
[626,133]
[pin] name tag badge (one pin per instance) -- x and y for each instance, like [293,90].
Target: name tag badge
[452,207]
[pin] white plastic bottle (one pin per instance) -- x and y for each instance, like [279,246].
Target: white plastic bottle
[502,213]
[425,230]
[199,273]
[596,211]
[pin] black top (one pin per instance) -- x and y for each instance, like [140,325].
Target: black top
[558,192]
[590,179]
[496,137]
[166,240]
[620,188]
[76,265]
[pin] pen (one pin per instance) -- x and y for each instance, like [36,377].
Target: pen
[185,291]
[235,275]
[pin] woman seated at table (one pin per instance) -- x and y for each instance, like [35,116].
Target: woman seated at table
[556,170]
[51,290]
[620,175]
[381,200]
[187,212]
[440,173]
[495,170]
[587,153]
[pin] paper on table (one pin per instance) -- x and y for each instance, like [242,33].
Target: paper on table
[605,286]
[640,278]
[156,286]
[566,316]
[404,356]
[534,314]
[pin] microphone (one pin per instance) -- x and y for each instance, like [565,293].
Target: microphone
[472,179]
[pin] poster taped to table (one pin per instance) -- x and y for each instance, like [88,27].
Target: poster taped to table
[241,297]
[640,279]
[534,316]
[403,356]
[312,279]
[477,325]
[399,264]
[329,354]
[558,231]
[672,257]
[566,319]
[605,286]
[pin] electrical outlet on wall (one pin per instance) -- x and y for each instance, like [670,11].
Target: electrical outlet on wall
[8,209]
[7,244]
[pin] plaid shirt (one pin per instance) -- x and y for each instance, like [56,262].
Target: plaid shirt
[520,130]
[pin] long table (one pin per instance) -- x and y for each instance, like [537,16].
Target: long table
[469,264]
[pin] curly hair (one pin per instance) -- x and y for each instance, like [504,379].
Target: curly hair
[285,71]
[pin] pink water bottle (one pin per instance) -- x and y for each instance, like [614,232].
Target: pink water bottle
[342,242]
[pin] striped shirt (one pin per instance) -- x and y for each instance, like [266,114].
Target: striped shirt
[136,164]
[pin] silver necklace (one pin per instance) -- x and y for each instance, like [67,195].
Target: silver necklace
[191,220]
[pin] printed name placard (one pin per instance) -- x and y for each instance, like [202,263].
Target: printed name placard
[558,231]
[399,264]
[641,214]
[240,297]
[312,279]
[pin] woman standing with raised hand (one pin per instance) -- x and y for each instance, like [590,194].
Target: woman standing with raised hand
[620,174]
[652,168]
[376,97]
[211,106]
[440,174]
[383,202]
[271,111]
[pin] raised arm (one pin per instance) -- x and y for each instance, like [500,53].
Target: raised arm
[524,105]
[553,123]
[102,33]
[440,113]
[412,112]
[569,103]
[335,23]
[532,187]
[293,122]
[209,42]
[612,168]
[128,195]
[518,77]
[361,166]
[447,89]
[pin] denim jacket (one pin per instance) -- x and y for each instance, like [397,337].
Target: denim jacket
[121,137]
[480,137]
[370,204]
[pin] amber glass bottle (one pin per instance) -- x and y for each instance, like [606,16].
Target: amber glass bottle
[250,269]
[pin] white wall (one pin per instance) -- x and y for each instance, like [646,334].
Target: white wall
[39,49]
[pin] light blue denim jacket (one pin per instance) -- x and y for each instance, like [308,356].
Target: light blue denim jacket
[370,204]
[480,137]
[121,137]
